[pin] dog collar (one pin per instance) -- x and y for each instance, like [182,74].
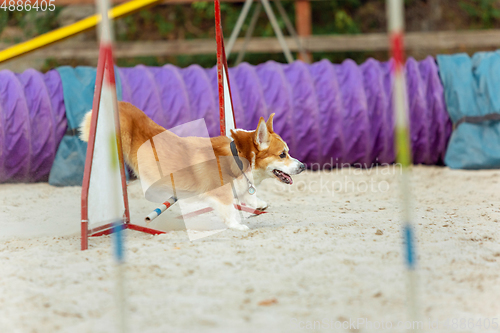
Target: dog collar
[234,151]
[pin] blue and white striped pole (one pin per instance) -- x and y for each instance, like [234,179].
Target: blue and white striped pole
[167,204]
[163,207]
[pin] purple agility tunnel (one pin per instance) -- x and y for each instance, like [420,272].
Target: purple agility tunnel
[32,124]
[328,113]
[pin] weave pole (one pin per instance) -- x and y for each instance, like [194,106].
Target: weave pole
[226,111]
[395,11]
[109,100]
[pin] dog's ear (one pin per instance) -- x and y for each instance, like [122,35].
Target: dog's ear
[261,137]
[269,123]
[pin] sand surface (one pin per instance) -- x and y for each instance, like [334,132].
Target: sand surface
[326,253]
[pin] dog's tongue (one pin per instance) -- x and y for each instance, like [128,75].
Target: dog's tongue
[284,177]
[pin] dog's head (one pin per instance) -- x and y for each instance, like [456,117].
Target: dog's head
[269,154]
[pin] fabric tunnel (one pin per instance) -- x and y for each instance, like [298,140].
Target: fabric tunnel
[329,114]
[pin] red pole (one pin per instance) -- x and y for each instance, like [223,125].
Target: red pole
[220,66]
[222,69]
[85,235]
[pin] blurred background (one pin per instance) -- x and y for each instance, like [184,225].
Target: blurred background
[181,32]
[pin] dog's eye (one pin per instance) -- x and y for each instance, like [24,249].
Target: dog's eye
[283,154]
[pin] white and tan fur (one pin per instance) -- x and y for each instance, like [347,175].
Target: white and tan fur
[265,151]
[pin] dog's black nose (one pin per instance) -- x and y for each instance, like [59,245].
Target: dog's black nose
[302,167]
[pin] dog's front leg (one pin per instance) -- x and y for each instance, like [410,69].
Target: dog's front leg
[253,201]
[221,200]
[241,187]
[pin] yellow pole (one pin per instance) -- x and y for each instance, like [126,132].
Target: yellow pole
[71,30]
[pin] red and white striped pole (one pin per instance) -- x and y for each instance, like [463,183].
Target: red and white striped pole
[395,12]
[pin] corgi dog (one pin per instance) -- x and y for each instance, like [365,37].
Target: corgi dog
[261,153]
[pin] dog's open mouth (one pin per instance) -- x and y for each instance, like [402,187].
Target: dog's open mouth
[283,177]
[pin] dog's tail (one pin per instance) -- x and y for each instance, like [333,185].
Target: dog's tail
[85,126]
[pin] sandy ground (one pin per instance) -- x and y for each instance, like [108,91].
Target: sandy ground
[328,254]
